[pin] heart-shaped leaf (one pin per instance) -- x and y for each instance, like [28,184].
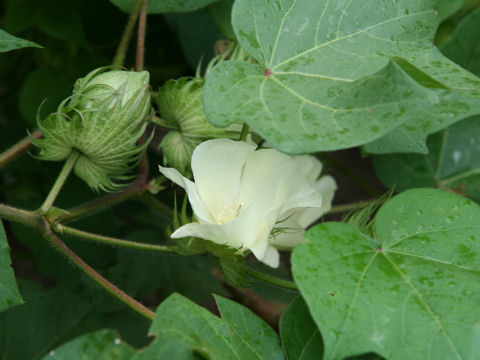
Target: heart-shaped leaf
[322,81]
[411,292]
[9,294]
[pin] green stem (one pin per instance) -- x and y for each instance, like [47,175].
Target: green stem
[57,186]
[338,209]
[119,58]
[28,218]
[18,149]
[107,240]
[271,279]
[100,204]
[95,276]
[359,180]
[244,132]
[157,206]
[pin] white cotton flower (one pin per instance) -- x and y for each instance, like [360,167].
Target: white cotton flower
[240,193]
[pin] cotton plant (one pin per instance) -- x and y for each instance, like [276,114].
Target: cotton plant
[253,200]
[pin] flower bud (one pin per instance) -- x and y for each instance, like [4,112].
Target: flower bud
[180,103]
[103,120]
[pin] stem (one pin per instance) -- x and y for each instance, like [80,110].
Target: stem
[142,25]
[107,240]
[244,132]
[349,207]
[100,204]
[119,58]
[271,279]
[18,149]
[57,186]
[95,276]
[28,218]
[359,180]
[152,202]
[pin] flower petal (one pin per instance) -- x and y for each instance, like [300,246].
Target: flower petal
[309,166]
[271,257]
[194,198]
[217,167]
[249,228]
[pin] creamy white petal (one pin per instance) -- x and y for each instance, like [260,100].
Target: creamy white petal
[326,186]
[217,167]
[194,198]
[288,232]
[271,257]
[309,166]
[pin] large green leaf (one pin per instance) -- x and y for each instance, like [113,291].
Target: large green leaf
[107,345]
[9,294]
[322,81]
[410,292]
[164,6]
[463,102]
[301,338]
[238,335]
[453,162]
[9,42]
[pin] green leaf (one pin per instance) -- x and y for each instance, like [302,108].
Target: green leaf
[453,162]
[103,344]
[239,335]
[9,294]
[463,101]
[410,292]
[197,34]
[463,45]
[447,8]
[323,79]
[9,42]
[301,338]
[164,6]
[107,345]
[221,12]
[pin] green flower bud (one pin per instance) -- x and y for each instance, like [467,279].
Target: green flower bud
[180,103]
[103,120]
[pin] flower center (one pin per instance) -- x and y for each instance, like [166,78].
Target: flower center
[230,212]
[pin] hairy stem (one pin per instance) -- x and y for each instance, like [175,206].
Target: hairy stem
[126,299]
[244,132]
[57,186]
[107,240]
[18,149]
[97,205]
[338,209]
[28,218]
[271,279]
[119,58]
[142,26]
